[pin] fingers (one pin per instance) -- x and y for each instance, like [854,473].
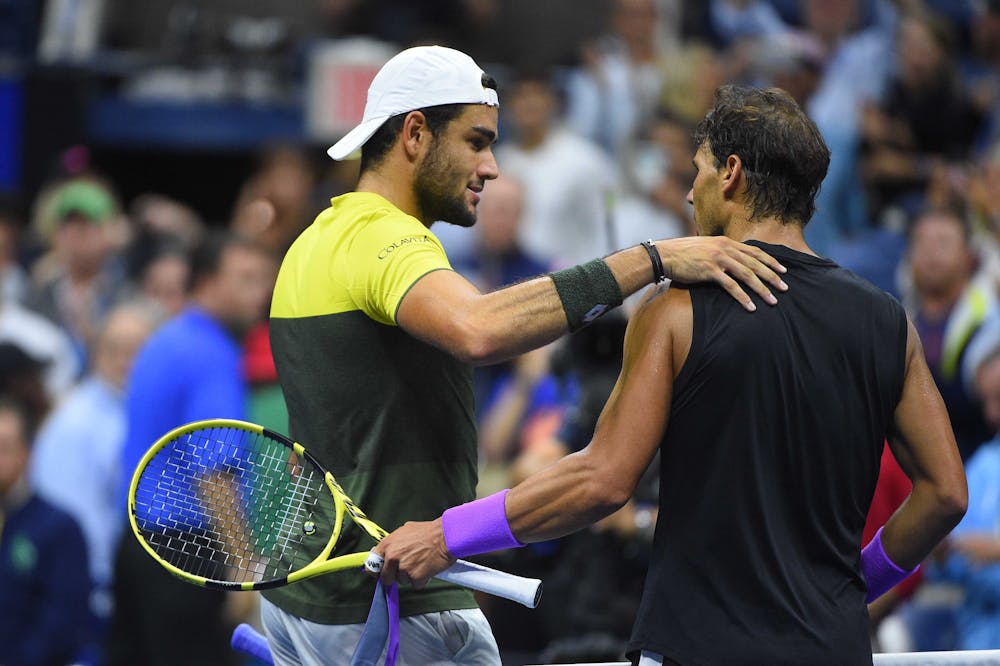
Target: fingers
[764,266]
[386,570]
[736,291]
[748,278]
[375,565]
[752,267]
[764,258]
[738,268]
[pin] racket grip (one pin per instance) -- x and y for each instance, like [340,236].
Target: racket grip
[525,591]
[248,641]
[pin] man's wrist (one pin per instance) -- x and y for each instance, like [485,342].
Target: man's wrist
[880,572]
[655,260]
[666,259]
[586,291]
[478,527]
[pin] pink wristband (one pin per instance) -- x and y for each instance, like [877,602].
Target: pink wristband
[881,574]
[478,527]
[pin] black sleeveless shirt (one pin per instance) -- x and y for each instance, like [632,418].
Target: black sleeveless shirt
[768,467]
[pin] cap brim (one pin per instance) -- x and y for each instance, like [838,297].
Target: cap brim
[353,140]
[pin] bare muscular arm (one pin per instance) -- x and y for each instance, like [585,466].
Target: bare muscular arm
[446,310]
[584,487]
[924,445]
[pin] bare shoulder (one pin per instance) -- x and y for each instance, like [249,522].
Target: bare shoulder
[665,304]
[665,320]
[914,348]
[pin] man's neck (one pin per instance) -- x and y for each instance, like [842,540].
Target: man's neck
[397,191]
[770,230]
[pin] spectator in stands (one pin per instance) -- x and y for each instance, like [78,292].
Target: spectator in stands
[926,117]
[284,180]
[77,455]
[13,279]
[616,90]
[566,178]
[736,20]
[41,339]
[74,286]
[971,555]
[948,308]
[164,279]
[22,378]
[498,258]
[792,61]
[524,407]
[44,581]
[856,67]
[659,172]
[984,80]
[163,229]
[983,184]
[159,216]
[690,81]
[190,369]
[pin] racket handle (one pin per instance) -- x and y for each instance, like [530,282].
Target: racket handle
[525,591]
[247,640]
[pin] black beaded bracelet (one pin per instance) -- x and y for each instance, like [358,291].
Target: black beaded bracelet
[654,256]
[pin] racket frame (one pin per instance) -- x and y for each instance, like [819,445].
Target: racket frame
[526,591]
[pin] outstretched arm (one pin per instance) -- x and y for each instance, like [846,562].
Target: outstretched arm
[447,311]
[584,487]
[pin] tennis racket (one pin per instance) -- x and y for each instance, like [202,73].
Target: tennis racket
[231,505]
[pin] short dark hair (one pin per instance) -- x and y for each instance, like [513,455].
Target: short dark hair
[377,147]
[784,156]
[952,210]
[29,426]
[206,258]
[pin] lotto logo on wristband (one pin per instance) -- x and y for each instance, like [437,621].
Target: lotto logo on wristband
[595,312]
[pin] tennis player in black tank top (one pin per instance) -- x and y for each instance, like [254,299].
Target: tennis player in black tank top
[770,425]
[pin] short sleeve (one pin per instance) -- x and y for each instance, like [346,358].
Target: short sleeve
[386,260]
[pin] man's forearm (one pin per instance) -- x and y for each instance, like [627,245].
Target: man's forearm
[531,314]
[923,520]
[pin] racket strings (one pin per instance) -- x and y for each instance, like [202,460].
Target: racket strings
[229,505]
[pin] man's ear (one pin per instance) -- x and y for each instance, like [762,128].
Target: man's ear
[415,134]
[731,173]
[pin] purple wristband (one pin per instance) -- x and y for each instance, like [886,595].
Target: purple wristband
[478,527]
[881,574]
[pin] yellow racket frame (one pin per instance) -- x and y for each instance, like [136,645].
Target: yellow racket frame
[321,564]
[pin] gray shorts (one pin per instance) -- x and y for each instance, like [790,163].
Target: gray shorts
[457,637]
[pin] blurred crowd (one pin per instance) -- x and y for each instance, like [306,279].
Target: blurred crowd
[595,154]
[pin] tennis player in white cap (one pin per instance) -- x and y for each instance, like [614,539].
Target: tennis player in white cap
[375,336]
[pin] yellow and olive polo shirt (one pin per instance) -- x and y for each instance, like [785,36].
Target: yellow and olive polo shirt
[392,417]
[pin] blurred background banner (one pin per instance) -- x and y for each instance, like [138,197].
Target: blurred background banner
[337,85]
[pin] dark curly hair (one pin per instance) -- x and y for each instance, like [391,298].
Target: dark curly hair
[784,157]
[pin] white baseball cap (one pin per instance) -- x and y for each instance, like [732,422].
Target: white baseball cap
[414,79]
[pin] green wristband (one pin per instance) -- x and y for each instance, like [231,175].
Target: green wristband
[587,291]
